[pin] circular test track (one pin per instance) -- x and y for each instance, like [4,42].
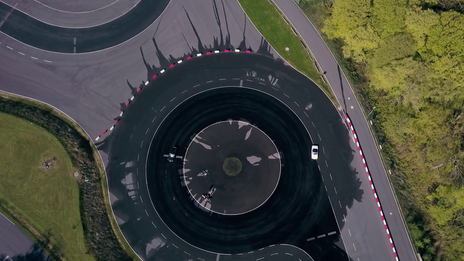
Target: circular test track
[153,207]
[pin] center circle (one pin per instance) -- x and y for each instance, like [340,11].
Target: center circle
[231,168]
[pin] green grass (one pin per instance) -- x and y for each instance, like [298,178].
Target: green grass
[279,34]
[47,200]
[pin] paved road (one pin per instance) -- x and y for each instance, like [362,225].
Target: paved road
[128,152]
[347,99]
[15,244]
[73,14]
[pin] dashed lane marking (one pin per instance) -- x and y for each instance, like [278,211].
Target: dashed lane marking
[323,150]
[195,86]
[141,199]
[222,79]
[162,108]
[146,131]
[138,157]
[138,185]
[349,232]
[47,61]
[141,144]
[286,95]
[288,254]
[330,175]
[275,88]
[184,91]
[153,119]
[354,247]
[35,58]
[261,258]
[175,245]
[163,235]
[319,137]
[173,99]
[332,233]
[9,47]
[326,163]
[273,254]
[310,239]
[21,53]
[321,236]
[248,80]
[236,79]
[146,212]
[261,249]
[262,83]
[210,81]
[199,258]
[241,83]
[335,190]
[313,124]
[306,114]
[339,203]
[187,253]
[296,103]
[153,224]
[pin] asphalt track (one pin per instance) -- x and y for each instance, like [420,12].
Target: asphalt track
[69,40]
[90,102]
[128,146]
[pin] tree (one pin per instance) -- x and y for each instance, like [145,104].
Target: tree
[389,17]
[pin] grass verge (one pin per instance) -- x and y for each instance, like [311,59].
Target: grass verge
[47,199]
[280,34]
[102,236]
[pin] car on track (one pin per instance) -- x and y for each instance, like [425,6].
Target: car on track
[314,152]
[209,194]
[172,154]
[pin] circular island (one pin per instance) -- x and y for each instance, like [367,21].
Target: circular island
[231,168]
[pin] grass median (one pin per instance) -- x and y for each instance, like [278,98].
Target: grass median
[101,235]
[46,198]
[280,35]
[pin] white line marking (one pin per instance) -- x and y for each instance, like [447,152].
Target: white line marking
[296,103]
[9,47]
[222,79]
[321,236]
[323,150]
[275,88]
[331,233]
[146,212]
[330,176]
[273,254]
[153,224]
[306,114]
[349,232]
[173,99]
[326,163]
[141,144]
[313,124]
[209,81]
[194,86]
[21,53]
[335,190]
[163,235]
[138,185]
[340,204]
[138,157]
[261,258]
[354,247]
[141,199]
[35,58]
[286,95]
[146,131]
[311,238]
[248,80]
[217,257]
[8,219]
[236,79]
[47,61]
[262,83]
[319,136]
[183,92]
[153,119]
[162,108]
[175,245]
[187,253]
[251,252]
[241,83]
[199,258]
[289,254]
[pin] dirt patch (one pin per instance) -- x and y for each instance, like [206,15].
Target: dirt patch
[48,163]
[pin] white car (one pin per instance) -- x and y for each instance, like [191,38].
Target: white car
[314,152]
